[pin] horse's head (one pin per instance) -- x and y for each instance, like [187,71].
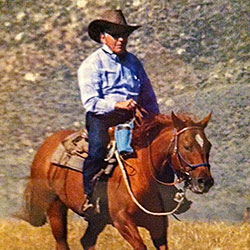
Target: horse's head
[190,154]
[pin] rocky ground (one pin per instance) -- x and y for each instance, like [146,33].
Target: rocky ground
[196,53]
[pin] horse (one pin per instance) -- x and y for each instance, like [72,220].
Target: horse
[176,141]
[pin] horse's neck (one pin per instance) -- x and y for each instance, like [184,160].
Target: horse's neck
[155,155]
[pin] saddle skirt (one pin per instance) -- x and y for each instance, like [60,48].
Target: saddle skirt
[73,150]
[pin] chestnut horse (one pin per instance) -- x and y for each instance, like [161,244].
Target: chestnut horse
[175,141]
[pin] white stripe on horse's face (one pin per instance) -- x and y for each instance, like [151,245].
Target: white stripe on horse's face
[199,140]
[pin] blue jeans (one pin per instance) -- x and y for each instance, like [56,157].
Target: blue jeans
[97,127]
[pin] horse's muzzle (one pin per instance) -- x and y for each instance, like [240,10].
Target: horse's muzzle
[201,185]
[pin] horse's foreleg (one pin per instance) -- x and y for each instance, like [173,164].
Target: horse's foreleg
[128,229]
[160,243]
[158,233]
[95,227]
[57,213]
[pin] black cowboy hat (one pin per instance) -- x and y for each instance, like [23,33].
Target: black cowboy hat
[113,22]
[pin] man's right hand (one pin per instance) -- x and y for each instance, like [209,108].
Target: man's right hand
[126,105]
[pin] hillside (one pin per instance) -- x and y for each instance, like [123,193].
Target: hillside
[196,53]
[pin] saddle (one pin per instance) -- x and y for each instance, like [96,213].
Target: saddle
[73,150]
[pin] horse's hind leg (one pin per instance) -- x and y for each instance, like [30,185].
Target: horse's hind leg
[57,213]
[95,227]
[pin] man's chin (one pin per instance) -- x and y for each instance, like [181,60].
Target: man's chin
[120,51]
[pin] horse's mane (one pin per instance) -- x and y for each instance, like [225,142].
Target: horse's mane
[151,127]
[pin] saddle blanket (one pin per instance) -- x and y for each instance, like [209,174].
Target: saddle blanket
[73,150]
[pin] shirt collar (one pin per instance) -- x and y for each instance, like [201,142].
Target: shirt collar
[107,49]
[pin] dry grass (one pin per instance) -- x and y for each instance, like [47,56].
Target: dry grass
[19,235]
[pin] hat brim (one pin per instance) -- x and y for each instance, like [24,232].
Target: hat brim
[97,27]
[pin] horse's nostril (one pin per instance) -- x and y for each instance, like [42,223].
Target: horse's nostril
[201,181]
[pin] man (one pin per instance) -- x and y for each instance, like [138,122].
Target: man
[112,81]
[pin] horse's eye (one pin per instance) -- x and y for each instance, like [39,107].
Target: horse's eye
[188,148]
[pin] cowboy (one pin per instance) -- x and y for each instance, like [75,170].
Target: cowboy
[112,82]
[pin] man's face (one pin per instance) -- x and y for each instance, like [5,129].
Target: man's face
[117,43]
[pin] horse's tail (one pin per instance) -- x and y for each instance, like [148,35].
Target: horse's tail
[35,214]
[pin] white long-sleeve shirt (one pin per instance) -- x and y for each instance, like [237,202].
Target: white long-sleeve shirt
[105,79]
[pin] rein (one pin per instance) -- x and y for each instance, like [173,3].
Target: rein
[178,198]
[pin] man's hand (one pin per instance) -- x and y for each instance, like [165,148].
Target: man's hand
[126,105]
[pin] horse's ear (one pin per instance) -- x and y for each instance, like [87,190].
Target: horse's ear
[178,123]
[205,121]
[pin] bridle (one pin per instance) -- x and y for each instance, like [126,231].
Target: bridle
[180,157]
[138,118]
[183,174]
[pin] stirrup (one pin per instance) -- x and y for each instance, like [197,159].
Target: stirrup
[87,205]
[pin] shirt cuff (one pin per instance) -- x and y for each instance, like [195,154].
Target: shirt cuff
[111,105]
